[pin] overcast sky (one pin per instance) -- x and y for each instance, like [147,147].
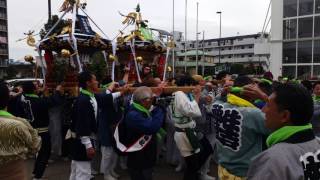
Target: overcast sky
[238,17]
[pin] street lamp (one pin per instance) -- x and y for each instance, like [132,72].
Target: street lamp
[49,10]
[185,38]
[219,12]
[203,57]
[173,39]
[197,44]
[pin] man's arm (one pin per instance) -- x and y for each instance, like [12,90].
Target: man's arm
[56,99]
[83,125]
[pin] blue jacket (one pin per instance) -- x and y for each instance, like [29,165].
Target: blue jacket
[137,124]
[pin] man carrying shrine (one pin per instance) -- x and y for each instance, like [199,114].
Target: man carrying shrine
[84,123]
[240,131]
[185,109]
[294,152]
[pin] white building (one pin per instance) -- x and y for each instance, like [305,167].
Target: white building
[295,38]
[4,56]
[246,49]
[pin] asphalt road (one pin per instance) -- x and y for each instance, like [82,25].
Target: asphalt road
[60,170]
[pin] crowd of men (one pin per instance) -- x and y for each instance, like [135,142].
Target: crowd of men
[252,128]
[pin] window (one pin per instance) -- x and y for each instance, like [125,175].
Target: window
[209,43]
[290,29]
[229,48]
[290,8]
[317,6]
[250,55]
[250,47]
[289,53]
[3,3]
[316,71]
[242,55]
[229,56]
[305,27]
[305,7]
[316,52]
[304,51]
[242,47]
[289,71]
[317,26]
[304,72]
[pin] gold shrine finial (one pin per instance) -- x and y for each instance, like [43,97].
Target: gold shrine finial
[30,38]
[134,18]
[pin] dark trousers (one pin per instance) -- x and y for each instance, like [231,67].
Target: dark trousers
[141,174]
[196,161]
[65,147]
[43,155]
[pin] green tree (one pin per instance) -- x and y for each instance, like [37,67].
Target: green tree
[11,72]
[98,65]
[237,69]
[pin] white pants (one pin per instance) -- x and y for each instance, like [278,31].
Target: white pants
[80,170]
[108,160]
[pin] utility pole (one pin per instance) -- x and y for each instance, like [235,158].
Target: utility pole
[185,38]
[219,12]
[173,39]
[203,57]
[49,10]
[197,36]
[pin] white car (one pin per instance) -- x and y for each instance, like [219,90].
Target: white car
[17,82]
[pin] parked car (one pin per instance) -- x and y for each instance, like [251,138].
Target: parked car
[12,83]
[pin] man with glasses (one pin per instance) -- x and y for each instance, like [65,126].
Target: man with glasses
[141,124]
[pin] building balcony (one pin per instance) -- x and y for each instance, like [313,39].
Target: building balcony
[3,63]
[3,16]
[232,52]
[242,60]
[244,42]
[3,4]
[3,28]
[193,64]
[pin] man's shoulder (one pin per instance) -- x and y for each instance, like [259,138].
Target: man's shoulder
[274,155]
[179,94]
[280,153]
[14,123]
[82,99]
[134,112]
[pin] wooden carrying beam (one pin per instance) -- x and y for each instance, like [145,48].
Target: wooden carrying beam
[166,90]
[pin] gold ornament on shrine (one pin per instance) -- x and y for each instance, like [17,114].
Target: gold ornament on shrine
[28,58]
[139,59]
[65,53]
[112,58]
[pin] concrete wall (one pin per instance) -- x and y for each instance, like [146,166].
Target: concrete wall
[276,38]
